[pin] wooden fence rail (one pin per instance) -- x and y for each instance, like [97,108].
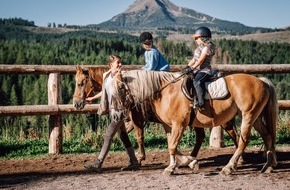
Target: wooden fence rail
[28,110]
[71,69]
[55,109]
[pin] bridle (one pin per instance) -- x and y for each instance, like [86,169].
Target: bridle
[90,92]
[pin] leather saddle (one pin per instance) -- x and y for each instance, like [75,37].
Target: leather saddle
[215,87]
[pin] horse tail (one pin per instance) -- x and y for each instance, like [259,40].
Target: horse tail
[271,110]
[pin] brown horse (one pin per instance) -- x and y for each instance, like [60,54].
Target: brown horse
[90,81]
[254,98]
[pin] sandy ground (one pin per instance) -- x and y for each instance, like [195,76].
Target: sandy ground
[67,172]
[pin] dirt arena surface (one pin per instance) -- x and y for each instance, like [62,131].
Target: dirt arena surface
[67,172]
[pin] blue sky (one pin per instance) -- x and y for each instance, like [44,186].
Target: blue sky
[260,13]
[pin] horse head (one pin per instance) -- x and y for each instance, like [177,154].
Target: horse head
[83,88]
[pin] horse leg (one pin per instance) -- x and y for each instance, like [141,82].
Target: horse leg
[173,139]
[129,125]
[231,129]
[200,135]
[139,135]
[269,148]
[181,160]
[136,123]
[243,141]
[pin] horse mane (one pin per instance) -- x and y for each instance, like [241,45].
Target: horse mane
[145,85]
[96,73]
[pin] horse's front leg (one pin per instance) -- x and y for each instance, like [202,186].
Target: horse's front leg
[231,129]
[139,133]
[173,139]
[137,125]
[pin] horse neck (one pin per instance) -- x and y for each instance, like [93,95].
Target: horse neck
[140,83]
[96,76]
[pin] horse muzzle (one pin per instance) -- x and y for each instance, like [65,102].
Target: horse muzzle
[79,104]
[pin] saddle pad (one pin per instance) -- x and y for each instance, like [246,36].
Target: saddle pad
[216,89]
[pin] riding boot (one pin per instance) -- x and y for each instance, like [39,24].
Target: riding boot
[133,165]
[199,94]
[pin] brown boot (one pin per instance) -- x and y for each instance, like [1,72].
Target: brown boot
[133,165]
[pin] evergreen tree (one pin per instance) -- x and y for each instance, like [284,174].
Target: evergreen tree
[13,96]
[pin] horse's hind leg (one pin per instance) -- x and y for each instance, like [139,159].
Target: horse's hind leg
[269,148]
[246,126]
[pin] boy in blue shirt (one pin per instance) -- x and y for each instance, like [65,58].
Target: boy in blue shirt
[153,57]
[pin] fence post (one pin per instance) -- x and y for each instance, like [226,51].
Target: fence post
[216,137]
[55,121]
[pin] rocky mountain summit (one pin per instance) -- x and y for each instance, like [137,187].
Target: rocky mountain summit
[163,14]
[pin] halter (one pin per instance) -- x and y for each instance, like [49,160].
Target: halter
[92,89]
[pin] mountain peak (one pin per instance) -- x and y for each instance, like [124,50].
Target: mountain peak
[154,14]
[149,5]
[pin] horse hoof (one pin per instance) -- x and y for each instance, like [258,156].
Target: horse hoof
[194,165]
[267,168]
[167,172]
[140,159]
[226,171]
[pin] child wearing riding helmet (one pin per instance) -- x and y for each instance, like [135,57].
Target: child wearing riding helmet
[153,57]
[201,61]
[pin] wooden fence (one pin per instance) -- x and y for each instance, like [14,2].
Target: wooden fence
[55,109]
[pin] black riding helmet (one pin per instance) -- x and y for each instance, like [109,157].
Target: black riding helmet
[202,32]
[146,37]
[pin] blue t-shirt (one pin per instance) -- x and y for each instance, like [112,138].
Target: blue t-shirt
[155,60]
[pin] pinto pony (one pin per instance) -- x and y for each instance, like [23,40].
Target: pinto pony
[253,98]
[90,81]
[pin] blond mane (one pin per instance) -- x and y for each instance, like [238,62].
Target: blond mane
[146,84]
